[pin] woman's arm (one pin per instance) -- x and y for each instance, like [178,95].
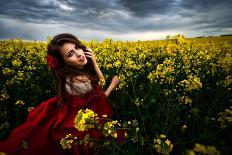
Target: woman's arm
[109,90]
[114,83]
[98,71]
[90,54]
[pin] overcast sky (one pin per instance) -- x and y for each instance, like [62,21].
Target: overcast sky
[117,19]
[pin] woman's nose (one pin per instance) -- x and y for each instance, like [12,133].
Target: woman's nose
[77,53]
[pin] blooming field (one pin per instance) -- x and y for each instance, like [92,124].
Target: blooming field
[178,91]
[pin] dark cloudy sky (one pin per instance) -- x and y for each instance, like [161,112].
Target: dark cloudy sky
[117,19]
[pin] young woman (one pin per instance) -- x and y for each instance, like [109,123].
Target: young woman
[77,77]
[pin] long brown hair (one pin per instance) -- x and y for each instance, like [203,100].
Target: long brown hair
[61,72]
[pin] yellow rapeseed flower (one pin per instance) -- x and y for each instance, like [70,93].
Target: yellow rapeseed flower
[85,119]
[20,102]
[162,136]
[115,135]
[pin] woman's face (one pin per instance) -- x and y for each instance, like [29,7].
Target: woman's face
[73,56]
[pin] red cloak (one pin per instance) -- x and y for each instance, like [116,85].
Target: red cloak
[49,122]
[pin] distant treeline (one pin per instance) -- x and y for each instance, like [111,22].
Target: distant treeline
[223,35]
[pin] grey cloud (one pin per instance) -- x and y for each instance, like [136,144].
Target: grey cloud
[146,8]
[205,5]
[115,17]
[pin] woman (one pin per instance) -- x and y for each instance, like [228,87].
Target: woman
[78,86]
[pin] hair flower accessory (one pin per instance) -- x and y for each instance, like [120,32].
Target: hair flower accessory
[52,61]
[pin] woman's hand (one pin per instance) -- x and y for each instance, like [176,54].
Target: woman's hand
[90,54]
[114,81]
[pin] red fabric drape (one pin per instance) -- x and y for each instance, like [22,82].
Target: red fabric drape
[49,122]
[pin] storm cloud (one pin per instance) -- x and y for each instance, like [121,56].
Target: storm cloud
[116,19]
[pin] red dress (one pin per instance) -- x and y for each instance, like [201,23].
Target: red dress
[49,122]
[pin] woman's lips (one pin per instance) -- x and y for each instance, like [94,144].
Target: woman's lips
[82,59]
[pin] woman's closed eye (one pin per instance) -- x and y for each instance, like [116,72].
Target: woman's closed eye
[71,53]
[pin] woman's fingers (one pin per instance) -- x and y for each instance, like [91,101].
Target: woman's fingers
[115,79]
[89,53]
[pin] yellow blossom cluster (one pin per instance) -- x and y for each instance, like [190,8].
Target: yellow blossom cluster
[17,78]
[4,95]
[228,81]
[185,100]
[17,63]
[162,145]
[192,82]
[164,72]
[184,127]
[109,128]
[225,117]
[85,119]
[7,71]
[20,102]
[202,149]
[138,102]
[226,62]
[67,141]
